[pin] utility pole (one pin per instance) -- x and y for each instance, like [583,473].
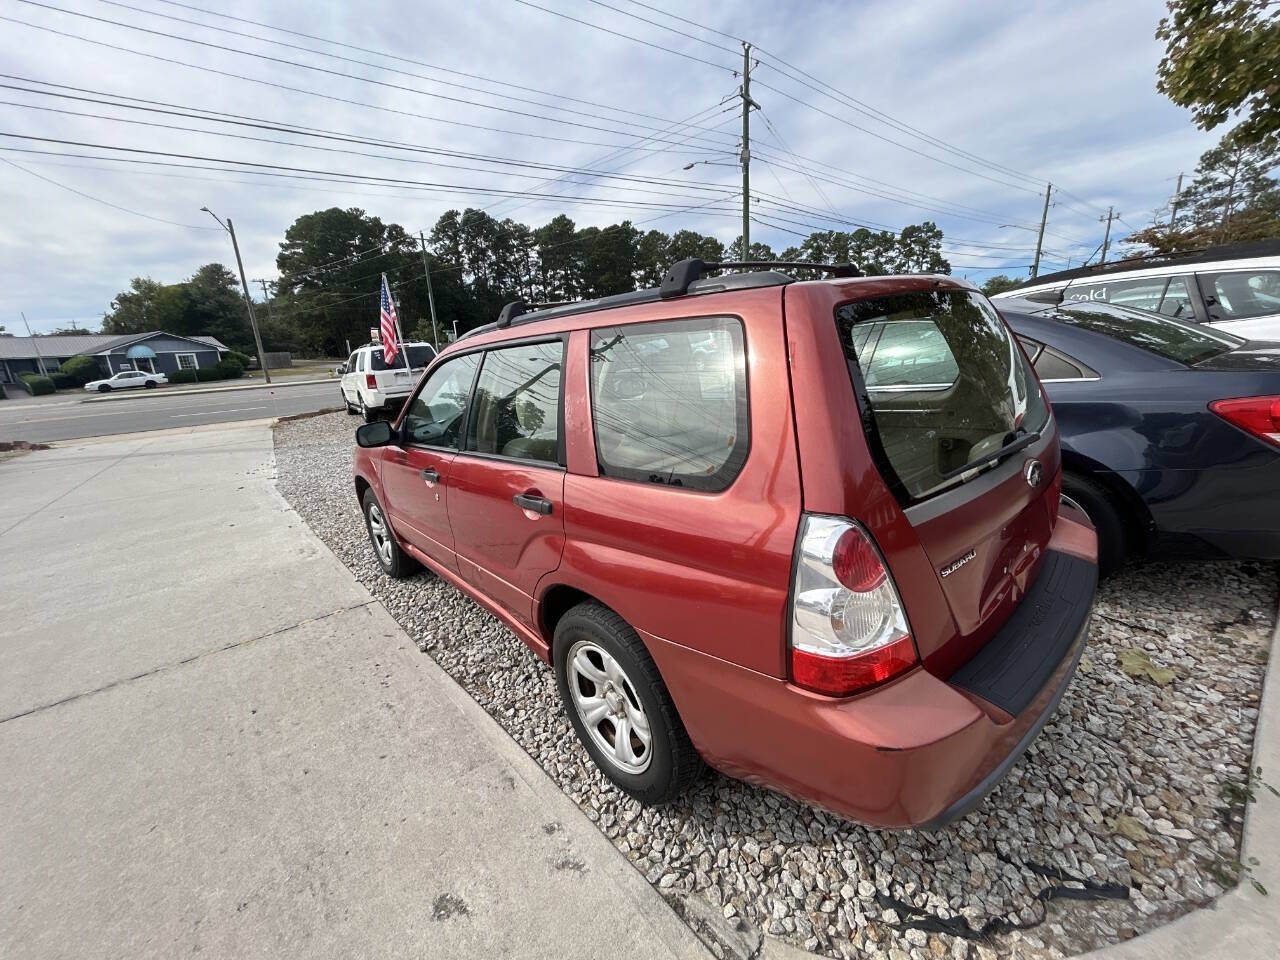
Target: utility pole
[1106,239]
[244,286]
[747,104]
[266,297]
[431,297]
[1173,212]
[35,343]
[1044,217]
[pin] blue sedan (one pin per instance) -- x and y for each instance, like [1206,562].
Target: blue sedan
[1170,430]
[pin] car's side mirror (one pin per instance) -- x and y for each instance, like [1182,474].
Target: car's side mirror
[340,369]
[376,434]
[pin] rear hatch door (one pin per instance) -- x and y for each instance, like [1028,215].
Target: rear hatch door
[960,430]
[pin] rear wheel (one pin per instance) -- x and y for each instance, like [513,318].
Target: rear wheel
[395,562]
[150,384]
[104,388]
[1095,502]
[347,403]
[370,414]
[619,706]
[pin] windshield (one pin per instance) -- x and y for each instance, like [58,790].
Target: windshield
[1187,343]
[420,354]
[946,384]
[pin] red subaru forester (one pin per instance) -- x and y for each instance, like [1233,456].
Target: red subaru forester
[808,532]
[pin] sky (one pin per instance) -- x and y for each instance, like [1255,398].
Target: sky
[877,112]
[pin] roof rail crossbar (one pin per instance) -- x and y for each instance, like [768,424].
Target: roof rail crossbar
[517,308]
[684,273]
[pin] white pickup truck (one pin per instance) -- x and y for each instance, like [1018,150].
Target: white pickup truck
[373,388]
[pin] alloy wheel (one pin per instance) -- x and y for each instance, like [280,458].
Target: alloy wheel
[380,534]
[607,704]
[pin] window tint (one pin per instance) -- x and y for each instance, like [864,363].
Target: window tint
[419,356]
[953,391]
[1165,337]
[669,402]
[1032,347]
[435,415]
[1167,295]
[517,403]
[1240,294]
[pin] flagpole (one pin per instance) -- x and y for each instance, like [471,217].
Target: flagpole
[399,333]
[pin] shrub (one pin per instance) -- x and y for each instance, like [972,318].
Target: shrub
[83,369]
[230,369]
[65,381]
[240,358]
[183,376]
[37,384]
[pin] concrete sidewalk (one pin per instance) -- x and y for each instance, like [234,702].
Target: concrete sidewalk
[212,740]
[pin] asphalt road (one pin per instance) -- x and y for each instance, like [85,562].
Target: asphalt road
[70,419]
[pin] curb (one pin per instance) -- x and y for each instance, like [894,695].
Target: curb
[109,397]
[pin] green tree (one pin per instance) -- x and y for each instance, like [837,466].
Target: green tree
[1230,200]
[1222,58]
[999,283]
[759,251]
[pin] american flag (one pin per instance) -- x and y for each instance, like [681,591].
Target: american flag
[390,324]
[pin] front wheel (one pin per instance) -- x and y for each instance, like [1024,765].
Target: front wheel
[1096,503]
[150,384]
[395,562]
[619,706]
[347,403]
[104,388]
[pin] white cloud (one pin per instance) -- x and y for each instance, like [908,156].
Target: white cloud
[1061,91]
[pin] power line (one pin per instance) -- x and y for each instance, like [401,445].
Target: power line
[375,66]
[325,70]
[106,203]
[362,153]
[625,36]
[660,26]
[314,93]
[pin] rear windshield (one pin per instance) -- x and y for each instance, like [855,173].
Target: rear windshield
[1181,342]
[945,384]
[419,356]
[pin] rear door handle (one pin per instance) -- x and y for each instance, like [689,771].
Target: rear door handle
[537,504]
[430,475]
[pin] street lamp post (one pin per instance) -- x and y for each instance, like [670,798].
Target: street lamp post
[244,286]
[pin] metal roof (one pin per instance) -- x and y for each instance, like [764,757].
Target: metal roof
[23,348]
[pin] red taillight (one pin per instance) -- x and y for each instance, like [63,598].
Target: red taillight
[1259,416]
[840,676]
[371,381]
[848,627]
[855,562]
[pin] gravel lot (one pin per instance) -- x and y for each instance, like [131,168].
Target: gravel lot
[1137,786]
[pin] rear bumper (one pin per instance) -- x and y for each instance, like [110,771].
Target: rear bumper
[918,752]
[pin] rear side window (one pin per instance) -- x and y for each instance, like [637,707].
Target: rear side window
[517,403]
[945,383]
[669,402]
[1167,295]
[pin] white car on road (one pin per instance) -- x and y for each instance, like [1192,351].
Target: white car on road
[126,379]
[373,388]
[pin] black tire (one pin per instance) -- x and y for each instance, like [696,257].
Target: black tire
[673,763]
[369,414]
[1114,541]
[149,385]
[104,388]
[395,563]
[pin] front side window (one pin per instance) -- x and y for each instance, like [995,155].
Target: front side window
[1241,294]
[669,402]
[1165,337]
[946,385]
[435,416]
[517,403]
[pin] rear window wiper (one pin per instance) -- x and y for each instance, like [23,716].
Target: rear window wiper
[1008,450]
